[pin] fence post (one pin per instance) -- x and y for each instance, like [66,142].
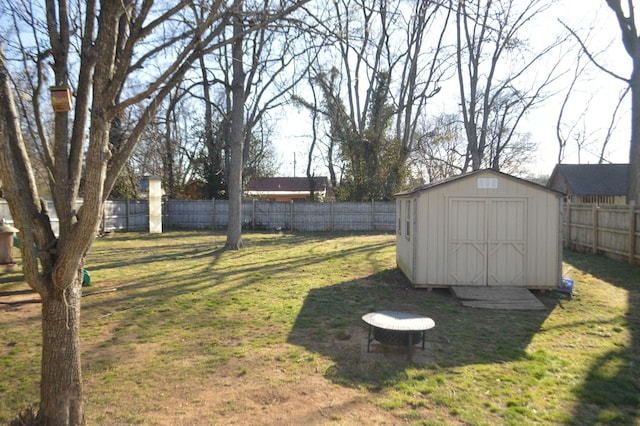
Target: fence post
[567,224]
[291,215]
[373,215]
[253,215]
[104,218]
[332,225]
[594,221]
[632,231]
[128,213]
[213,213]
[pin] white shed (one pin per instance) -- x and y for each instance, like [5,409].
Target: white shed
[483,228]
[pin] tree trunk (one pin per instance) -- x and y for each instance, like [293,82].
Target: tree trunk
[633,188]
[61,401]
[168,165]
[234,227]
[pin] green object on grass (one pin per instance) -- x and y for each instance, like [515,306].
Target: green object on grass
[86,277]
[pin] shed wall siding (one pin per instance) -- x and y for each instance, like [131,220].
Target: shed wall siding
[404,246]
[516,243]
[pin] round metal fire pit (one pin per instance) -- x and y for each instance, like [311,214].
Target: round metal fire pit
[397,328]
[396,337]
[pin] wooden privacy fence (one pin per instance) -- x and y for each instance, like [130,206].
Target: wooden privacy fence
[270,215]
[610,230]
[133,215]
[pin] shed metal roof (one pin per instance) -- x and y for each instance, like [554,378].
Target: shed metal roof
[469,174]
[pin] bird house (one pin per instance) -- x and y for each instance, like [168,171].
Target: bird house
[61,98]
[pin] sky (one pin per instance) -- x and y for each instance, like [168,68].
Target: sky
[596,98]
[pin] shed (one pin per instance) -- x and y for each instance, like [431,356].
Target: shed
[483,228]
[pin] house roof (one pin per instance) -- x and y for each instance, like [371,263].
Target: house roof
[469,174]
[288,185]
[593,179]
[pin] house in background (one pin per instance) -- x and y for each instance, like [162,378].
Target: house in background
[288,189]
[591,183]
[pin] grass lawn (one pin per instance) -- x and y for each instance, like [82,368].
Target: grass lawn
[176,330]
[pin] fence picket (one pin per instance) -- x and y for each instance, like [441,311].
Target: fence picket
[133,215]
[604,229]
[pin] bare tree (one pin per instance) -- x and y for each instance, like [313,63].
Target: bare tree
[613,123]
[578,128]
[328,85]
[215,133]
[625,15]
[440,149]
[376,85]
[261,65]
[423,67]
[236,135]
[563,131]
[101,55]
[488,34]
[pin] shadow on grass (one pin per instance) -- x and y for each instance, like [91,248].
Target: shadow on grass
[611,392]
[461,336]
[186,279]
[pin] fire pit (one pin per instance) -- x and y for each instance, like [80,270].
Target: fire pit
[397,329]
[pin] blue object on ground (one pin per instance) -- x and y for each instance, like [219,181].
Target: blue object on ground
[567,286]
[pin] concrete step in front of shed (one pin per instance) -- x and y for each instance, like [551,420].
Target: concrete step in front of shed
[511,298]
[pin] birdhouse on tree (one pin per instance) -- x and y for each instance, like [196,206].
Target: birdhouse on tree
[61,98]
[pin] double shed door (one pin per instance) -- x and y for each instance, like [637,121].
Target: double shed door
[486,241]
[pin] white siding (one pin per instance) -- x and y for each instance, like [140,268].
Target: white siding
[485,228]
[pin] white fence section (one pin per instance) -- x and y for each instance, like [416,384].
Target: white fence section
[613,230]
[133,215]
[125,215]
[53,216]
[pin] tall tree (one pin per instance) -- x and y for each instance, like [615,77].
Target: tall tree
[563,130]
[216,143]
[257,74]
[625,15]
[421,67]
[440,150]
[493,60]
[376,85]
[103,56]
[236,135]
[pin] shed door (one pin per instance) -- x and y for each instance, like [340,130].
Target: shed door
[467,254]
[486,242]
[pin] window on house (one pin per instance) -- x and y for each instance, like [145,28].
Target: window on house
[399,227]
[408,215]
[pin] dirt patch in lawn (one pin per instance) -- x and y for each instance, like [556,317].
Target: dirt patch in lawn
[260,387]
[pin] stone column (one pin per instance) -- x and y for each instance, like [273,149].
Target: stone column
[155,204]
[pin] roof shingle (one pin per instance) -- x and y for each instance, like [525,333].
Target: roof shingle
[594,179]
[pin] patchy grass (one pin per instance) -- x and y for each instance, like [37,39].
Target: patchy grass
[176,330]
